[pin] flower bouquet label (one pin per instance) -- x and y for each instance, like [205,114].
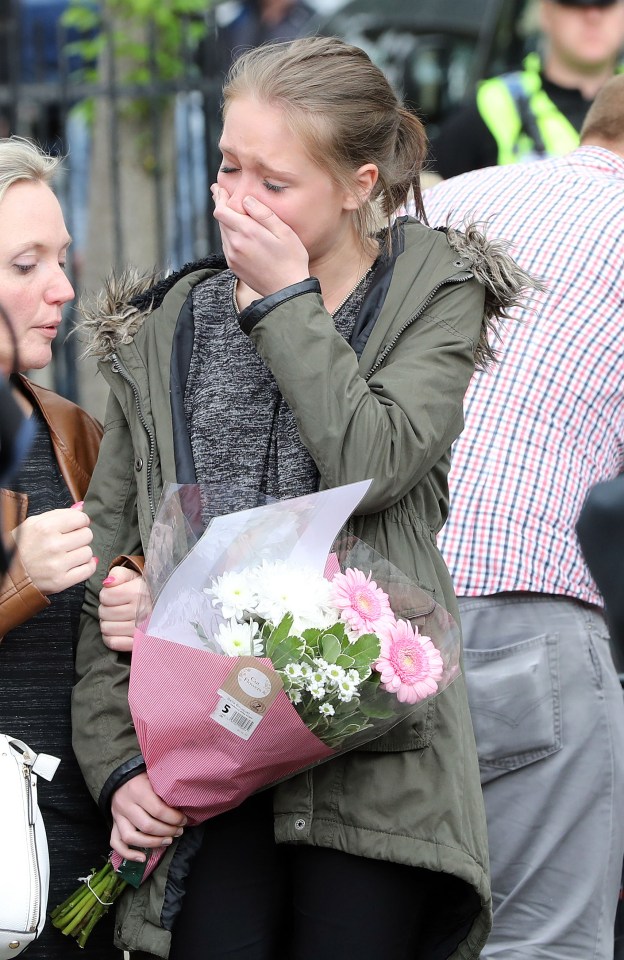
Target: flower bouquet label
[246,696]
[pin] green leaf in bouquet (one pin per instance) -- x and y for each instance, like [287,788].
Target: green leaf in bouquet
[287,651]
[339,732]
[377,710]
[338,630]
[278,633]
[369,690]
[364,651]
[345,661]
[311,636]
[344,711]
[367,646]
[330,647]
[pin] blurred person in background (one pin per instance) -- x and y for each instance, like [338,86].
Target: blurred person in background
[234,26]
[538,111]
[242,24]
[542,427]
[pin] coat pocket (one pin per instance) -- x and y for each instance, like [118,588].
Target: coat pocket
[514,697]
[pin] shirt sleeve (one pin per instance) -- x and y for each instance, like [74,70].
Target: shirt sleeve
[393,426]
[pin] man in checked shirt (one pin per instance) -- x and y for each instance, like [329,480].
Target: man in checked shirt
[543,426]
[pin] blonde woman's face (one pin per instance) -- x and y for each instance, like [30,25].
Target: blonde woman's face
[262,158]
[33,284]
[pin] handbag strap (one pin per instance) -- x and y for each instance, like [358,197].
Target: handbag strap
[42,764]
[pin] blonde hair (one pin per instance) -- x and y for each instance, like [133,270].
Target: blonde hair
[605,117]
[346,114]
[21,159]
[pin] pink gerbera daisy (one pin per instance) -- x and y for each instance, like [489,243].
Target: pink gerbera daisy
[409,664]
[363,605]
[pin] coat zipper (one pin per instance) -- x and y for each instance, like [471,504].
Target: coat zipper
[35,905]
[118,367]
[390,346]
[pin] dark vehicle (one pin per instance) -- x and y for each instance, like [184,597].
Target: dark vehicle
[435,51]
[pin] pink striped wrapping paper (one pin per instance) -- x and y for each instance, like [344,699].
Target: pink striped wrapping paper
[193,763]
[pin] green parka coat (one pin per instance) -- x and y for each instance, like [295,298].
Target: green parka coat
[387,407]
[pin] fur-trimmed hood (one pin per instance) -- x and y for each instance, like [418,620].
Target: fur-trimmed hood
[507,286]
[113,317]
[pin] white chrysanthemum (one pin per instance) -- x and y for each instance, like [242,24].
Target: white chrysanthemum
[239,639]
[335,674]
[313,619]
[316,690]
[295,695]
[233,593]
[321,664]
[346,690]
[300,591]
[305,671]
[293,671]
[327,710]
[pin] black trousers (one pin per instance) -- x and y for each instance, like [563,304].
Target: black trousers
[248,898]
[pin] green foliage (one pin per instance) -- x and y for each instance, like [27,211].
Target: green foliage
[153,44]
[152,40]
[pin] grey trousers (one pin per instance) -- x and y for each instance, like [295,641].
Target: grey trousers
[548,714]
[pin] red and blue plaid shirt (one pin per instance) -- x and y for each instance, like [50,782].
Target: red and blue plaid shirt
[547,422]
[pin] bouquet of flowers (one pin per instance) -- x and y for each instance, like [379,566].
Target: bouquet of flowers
[332,640]
[271,647]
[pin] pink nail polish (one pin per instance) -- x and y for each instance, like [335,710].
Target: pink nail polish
[77,505]
[107,582]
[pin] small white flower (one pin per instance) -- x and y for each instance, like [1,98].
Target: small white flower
[335,674]
[321,664]
[239,639]
[346,690]
[233,592]
[354,677]
[316,690]
[327,710]
[292,671]
[295,695]
[305,671]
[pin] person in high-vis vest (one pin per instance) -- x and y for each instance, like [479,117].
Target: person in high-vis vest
[537,111]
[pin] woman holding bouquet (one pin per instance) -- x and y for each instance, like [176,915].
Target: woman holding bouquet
[322,350]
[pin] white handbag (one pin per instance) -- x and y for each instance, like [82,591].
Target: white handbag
[24,862]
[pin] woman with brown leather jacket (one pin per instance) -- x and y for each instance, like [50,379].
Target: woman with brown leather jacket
[44,529]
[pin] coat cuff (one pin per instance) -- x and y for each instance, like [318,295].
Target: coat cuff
[258,310]
[128,770]
[135,563]
[19,597]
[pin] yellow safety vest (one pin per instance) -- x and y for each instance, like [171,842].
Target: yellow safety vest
[522,118]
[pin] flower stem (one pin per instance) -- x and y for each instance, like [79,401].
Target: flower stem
[78,915]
